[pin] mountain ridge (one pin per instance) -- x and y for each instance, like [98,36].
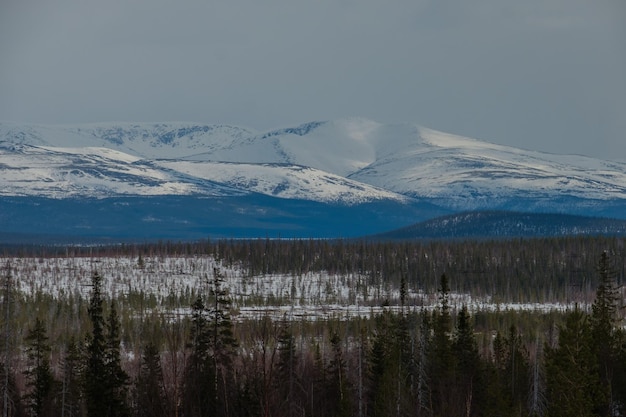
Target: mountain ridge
[507,224]
[348,163]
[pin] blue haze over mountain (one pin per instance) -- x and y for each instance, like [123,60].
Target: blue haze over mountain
[341,178]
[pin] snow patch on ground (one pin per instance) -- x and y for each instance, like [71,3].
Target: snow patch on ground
[311,296]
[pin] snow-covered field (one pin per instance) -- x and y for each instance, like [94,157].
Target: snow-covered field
[309,296]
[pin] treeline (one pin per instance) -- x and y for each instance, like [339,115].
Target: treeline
[411,363]
[519,270]
[516,270]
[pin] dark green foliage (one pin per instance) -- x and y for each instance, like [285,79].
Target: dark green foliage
[71,391]
[105,380]
[199,375]
[209,385]
[517,372]
[378,390]
[117,380]
[573,380]
[468,372]
[509,375]
[40,382]
[10,396]
[440,355]
[392,379]
[421,376]
[338,393]
[411,363]
[607,337]
[150,397]
[223,345]
[96,371]
[286,376]
[516,270]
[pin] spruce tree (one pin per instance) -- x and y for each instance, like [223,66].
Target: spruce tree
[150,399]
[468,367]
[380,392]
[497,392]
[71,390]
[338,392]
[117,380]
[40,382]
[105,380]
[607,337]
[390,368]
[10,400]
[96,371]
[198,379]
[422,380]
[223,345]
[507,377]
[441,359]
[573,380]
[286,376]
[517,371]
[209,378]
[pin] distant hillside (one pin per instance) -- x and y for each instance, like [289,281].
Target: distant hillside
[348,177]
[497,224]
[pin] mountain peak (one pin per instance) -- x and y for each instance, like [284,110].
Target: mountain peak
[365,159]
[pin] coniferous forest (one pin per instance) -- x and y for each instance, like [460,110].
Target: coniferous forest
[469,328]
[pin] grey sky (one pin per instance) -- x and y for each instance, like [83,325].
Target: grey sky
[547,75]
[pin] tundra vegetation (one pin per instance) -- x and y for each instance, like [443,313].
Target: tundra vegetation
[527,327]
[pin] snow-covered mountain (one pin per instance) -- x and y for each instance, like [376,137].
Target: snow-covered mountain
[347,162]
[160,159]
[55,172]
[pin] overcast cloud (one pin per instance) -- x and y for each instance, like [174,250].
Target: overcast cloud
[548,75]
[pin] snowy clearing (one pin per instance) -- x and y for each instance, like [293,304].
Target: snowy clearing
[310,296]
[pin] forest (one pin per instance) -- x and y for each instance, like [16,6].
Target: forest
[438,328]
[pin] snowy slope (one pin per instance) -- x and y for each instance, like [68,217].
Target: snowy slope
[469,174]
[284,181]
[144,140]
[56,172]
[90,172]
[347,160]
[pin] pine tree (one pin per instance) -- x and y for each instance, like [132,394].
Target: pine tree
[196,402]
[517,372]
[316,387]
[607,337]
[223,344]
[507,378]
[71,392]
[286,376]
[389,391]
[537,404]
[422,384]
[498,394]
[441,359]
[150,399]
[468,377]
[117,379]
[96,371]
[10,401]
[381,389]
[209,379]
[573,381]
[105,380]
[40,382]
[338,392]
